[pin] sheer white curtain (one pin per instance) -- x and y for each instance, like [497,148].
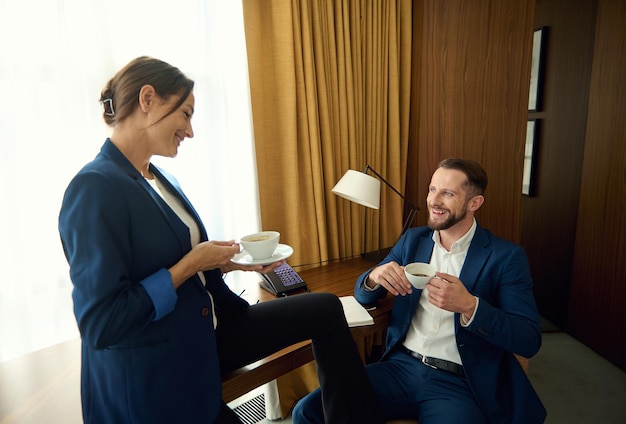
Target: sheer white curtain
[55,56]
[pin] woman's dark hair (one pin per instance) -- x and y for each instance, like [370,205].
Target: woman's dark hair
[120,96]
[476,175]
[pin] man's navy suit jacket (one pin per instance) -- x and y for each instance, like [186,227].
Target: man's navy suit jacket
[143,360]
[506,321]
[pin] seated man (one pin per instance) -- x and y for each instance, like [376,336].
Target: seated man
[450,347]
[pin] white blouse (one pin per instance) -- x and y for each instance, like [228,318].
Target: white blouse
[194,231]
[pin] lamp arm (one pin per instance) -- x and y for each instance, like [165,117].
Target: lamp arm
[409,220]
[413,207]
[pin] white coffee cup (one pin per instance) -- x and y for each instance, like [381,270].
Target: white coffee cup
[419,273]
[261,245]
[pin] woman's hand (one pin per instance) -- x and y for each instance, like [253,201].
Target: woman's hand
[263,269]
[204,256]
[213,254]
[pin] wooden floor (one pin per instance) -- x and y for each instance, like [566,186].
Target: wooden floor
[575,384]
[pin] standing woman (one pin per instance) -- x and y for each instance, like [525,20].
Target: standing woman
[158,324]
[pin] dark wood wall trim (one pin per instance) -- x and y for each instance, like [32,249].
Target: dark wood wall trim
[598,292]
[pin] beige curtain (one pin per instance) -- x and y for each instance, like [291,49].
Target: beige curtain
[330,91]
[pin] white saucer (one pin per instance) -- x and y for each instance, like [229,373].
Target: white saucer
[282,251]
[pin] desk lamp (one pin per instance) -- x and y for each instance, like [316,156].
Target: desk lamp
[361,188]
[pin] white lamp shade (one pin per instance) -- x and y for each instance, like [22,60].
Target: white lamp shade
[360,188]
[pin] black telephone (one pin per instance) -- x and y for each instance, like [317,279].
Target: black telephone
[282,281]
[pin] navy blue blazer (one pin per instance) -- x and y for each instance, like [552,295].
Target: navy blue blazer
[505,322]
[148,351]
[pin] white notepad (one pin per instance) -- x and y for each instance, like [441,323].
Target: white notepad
[356,314]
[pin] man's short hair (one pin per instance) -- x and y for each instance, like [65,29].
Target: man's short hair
[476,176]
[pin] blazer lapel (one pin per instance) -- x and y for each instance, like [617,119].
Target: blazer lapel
[178,227]
[422,254]
[476,259]
[424,249]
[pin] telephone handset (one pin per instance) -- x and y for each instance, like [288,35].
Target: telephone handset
[282,281]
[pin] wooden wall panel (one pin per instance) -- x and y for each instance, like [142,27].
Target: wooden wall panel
[472,98]
[598,279]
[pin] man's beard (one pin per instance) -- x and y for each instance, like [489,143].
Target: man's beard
[452,220]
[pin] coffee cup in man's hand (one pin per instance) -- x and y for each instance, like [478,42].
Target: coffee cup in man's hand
[419,274]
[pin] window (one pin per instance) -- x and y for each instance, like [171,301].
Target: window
[54,60]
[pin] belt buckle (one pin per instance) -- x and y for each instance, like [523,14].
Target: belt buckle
[427,364]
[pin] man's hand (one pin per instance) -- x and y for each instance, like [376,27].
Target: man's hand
[390,276]
[448,292]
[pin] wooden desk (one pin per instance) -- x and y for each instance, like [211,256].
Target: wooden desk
[338,278]
[44,386]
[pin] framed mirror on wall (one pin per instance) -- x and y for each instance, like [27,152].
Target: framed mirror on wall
[535,106]
[529,179]
[537,69]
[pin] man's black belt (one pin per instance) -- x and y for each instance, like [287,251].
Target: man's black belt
[438,364]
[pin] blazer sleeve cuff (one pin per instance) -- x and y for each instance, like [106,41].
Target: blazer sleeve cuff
[161,291]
